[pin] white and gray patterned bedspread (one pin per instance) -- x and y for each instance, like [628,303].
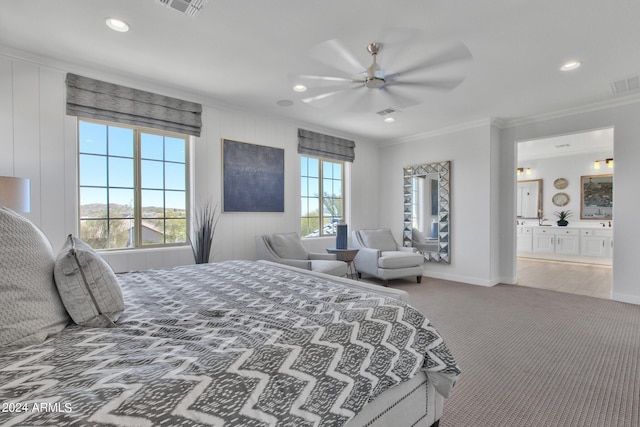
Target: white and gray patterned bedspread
[237,343]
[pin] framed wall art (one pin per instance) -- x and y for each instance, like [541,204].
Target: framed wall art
[253,177]
[596,197]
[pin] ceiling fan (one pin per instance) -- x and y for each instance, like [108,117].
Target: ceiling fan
[366,89]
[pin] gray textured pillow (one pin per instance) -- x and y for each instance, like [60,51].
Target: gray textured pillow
[31,307]
[88,286]
[381,239]
[288,246]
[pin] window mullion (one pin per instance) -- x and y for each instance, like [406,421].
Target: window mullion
[321,198]
[137,176]
[108,208]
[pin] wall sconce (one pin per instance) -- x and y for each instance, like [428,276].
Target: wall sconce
[609,163]
[15,193]
[522,170]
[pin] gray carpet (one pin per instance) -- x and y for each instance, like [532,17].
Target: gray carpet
[533,357]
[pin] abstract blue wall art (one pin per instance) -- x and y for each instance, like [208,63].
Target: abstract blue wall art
[253,177]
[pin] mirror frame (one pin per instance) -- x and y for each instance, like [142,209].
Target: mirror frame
[443,169]
[607,193]
[539,208]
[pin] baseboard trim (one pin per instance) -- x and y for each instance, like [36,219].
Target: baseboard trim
[631,299]
[462,279]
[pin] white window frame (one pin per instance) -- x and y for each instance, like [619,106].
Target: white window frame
[321,216]
[138,131]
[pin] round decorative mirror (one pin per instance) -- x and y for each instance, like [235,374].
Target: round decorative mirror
[560,199]
[560,183]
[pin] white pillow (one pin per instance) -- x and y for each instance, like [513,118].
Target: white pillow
[288,246]
[31,307]
[88,286]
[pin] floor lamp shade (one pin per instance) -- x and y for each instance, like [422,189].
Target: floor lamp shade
[15,193]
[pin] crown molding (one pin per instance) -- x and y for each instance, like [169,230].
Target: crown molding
[558,114]
[438,132]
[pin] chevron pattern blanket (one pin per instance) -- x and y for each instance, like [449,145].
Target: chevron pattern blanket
[236,343]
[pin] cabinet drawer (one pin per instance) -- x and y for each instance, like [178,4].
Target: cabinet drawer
[596,232]
[542,231]
[604,232]
[567,232]
[557,231]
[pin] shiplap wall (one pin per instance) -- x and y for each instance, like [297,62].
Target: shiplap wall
[39,142]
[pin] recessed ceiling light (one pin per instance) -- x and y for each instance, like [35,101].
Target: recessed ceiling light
[299,88]
[117,25]
[284,103]
[570,65]
[389,119]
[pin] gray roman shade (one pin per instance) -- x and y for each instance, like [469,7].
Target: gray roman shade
[96,99]
[321,145]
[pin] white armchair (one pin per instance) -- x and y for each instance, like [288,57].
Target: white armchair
[287,248]
[379,255]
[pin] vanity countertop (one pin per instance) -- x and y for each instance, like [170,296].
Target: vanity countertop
[571,225]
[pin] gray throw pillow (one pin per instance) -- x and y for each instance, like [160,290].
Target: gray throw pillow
[88,286]
[288,246]
[381,239]
[31,307]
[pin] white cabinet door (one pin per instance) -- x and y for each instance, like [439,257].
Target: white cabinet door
[524,239]
[594,246]
[596,242]
[567,241]
[567,245]
[544,243]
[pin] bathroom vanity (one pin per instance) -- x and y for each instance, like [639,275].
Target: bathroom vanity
[591,244]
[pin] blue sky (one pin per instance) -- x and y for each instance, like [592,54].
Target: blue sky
[98,140]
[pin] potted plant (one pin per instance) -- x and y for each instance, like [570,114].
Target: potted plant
[205,219]
[562,217]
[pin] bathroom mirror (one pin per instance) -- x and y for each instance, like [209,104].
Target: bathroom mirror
[596,197]
[427,195]
[529,198]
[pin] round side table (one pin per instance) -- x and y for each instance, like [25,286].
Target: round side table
[346,255]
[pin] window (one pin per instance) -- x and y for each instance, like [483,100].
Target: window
[133,186]
[322,189]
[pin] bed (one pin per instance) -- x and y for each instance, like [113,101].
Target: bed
[235,343]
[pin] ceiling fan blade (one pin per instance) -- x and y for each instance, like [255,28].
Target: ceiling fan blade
[335,54]
[324,78]
[400,100]
[457,52]
[327,97]
[442,84]
[315,81]
[368,101]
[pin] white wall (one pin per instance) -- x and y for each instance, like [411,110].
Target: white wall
[470,150]
[39,142]
[626,233]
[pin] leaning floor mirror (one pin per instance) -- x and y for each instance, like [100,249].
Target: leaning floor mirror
[427,194]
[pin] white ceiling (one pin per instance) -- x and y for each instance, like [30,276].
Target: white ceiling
[243,53]
[599,140]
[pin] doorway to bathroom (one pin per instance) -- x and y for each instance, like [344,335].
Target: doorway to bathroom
[556,177]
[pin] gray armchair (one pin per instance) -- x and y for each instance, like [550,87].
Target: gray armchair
[287,248]
[379,255]
[421,243]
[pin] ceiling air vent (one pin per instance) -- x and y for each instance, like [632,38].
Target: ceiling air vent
[188,7]
[625,86]
[388,111]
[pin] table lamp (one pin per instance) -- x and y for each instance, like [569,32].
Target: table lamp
[15,193]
